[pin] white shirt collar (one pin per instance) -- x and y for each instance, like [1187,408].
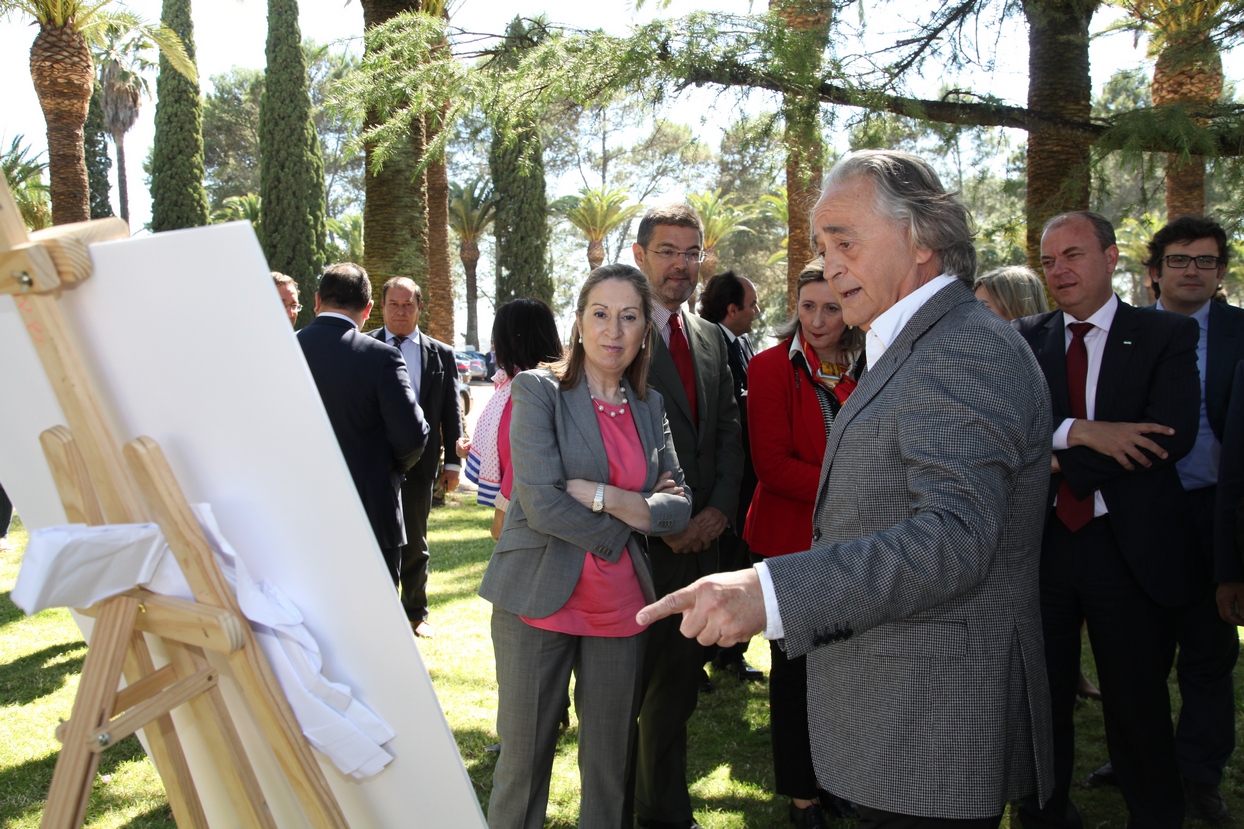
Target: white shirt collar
[730,335]
[1102,318]
[414,336]
[887,326]
[338,316]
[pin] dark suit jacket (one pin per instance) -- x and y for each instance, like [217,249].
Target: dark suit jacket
[373,411]
[739,358]
[710,451]
[1148,375]
[1229,515]
[1225,348]
[438,398]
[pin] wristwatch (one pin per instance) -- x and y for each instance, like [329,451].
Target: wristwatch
[598,503]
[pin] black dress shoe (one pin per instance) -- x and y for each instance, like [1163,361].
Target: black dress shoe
[742,671]
[706,684]
[835,806]
[809,817]
[1204,802]
[668,824]
[1103,776]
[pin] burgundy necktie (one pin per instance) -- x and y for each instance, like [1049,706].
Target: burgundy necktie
[1072,511]
[680,351]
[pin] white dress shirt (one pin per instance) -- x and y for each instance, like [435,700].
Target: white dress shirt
[881,335]
[1095,345]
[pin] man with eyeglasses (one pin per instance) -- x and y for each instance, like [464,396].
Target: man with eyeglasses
[1187,261]
[287,290]
[691,370]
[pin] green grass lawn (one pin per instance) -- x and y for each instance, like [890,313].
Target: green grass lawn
[730,767]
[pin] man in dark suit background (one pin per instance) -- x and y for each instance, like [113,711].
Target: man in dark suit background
[1187,261]
[369,401]
[730,301]
[1120,551]
[434,376]
[691,370]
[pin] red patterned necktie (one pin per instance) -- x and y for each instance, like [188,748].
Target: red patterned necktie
[1072,511]
[680,351]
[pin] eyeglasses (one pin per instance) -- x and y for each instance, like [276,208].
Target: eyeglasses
[293,306]
[1203,263]
[668,254]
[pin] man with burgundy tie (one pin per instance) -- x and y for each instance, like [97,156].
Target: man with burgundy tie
[1120,550]
[691,370]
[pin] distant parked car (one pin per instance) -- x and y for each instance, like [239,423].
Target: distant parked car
[464,365]
[476,368]
[490,368]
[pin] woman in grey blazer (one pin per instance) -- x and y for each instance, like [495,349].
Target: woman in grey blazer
[594,470]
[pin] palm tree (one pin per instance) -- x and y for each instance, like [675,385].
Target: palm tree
[471,211]
[240,209]
[776,206]
[345,237]
[1188,72]
[64,77]
[25,178]
[721,221]
[122,85]
[597,212]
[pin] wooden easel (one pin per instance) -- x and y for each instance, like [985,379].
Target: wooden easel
[99,482]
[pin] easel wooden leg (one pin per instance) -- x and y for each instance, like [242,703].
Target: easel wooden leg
[92,707]
[223,742]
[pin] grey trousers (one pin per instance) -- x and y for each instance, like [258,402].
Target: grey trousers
[533,680]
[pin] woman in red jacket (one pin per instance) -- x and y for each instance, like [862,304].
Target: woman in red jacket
[793,392]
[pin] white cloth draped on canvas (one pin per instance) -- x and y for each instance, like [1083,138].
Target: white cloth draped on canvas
[77,566]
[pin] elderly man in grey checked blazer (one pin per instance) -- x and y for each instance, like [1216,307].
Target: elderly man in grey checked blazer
[918,605]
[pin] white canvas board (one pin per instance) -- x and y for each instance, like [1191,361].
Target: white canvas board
[190,345]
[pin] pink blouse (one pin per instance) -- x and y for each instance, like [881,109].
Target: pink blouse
[607,597]
[503,450]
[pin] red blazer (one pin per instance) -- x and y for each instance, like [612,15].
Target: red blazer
[787,432]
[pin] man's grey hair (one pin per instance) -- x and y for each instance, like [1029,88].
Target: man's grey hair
[909,192]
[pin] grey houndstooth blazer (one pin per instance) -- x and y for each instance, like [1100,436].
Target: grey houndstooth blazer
[918,606]
[554,436]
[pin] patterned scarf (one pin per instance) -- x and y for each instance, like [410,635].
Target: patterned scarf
[833,376]
[483,465]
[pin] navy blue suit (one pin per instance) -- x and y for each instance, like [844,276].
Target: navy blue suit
[374,414]
[1125,572]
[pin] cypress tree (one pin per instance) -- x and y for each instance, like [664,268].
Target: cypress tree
[522,216]
[291,183]
[97,161]
[177,196]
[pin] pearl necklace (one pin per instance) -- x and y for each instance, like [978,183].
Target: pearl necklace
[621,408]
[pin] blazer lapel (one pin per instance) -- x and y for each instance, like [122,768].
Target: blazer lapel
[641,415]
[1116,358]
[662,368]
[1051,355]
[702,350]
[1221,351]
[578,405]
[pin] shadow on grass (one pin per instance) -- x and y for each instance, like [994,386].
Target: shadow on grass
[35,776]
[38,674]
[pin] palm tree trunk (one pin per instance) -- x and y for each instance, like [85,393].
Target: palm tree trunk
[439,303]
[595,253]
[468,250]
[123,188]
[1059,84]
[64,77]
[1188,71]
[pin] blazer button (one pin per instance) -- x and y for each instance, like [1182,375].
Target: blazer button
[816,533]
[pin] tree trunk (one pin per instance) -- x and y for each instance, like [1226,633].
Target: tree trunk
[123,188]
[394,218]
[468,250]
[63,76]
[1188,71]
[439,303]
[1058,83]
[595,253]
[804,147]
